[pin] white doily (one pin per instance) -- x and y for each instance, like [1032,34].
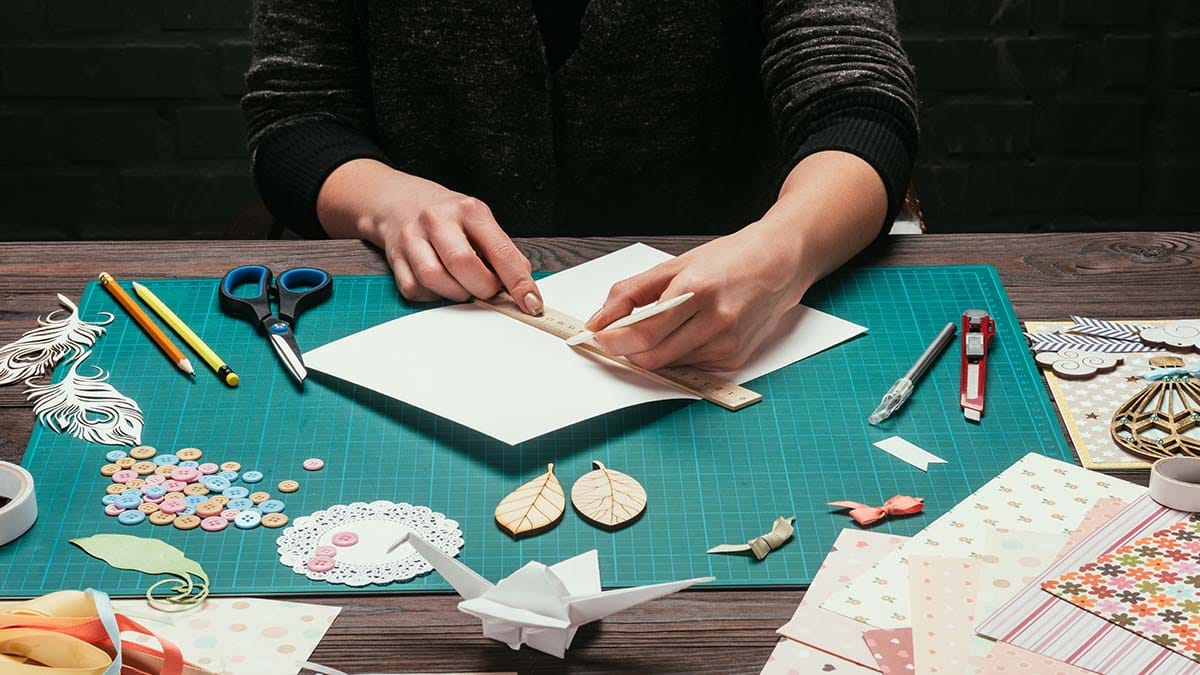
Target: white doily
[378,525]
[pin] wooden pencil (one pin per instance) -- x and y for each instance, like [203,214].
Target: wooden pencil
[148,326]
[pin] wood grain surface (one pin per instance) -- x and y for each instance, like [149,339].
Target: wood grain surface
[1115,275]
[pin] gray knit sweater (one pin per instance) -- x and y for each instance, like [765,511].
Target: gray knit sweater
[671,116]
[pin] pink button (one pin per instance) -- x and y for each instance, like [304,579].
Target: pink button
[344,539]
[230,514]
[185,474]
[325,552]
[124,476]
[320,564]
[208,468]
[113,510]
[154,479]
[172,505]
[153,500]
[313,464]
[214,524]
[174,486]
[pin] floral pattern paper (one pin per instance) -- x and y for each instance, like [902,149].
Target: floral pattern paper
[1151,587]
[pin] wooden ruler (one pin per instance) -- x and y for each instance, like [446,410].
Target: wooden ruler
[686,379]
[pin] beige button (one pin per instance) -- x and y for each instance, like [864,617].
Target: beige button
[162,518]
[173,495]
[109,469]
[164,470]
[145,468]
[187,522]
[189,454]
[135,483]
[125,462]
[231,466]
[115,489]
[259,497]
[274,520]
[148,507]
[288,486]
[195,489]
[142,452]
[208,508]
[220,500]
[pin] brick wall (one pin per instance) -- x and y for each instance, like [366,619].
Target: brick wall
[119,118]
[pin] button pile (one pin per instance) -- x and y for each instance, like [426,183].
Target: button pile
[176,489]
[323,556]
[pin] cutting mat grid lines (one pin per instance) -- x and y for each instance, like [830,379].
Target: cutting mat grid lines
[712,476]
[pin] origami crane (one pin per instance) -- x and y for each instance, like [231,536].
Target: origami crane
[538,605]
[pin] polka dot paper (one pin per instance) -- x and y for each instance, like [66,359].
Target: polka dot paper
[943,606]
[238,636]
[1006,659]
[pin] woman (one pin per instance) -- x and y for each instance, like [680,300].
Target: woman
[437,130]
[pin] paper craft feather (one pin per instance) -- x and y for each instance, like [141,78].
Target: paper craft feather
[39,350]
[87,407]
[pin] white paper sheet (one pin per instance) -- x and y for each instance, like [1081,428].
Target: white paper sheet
[913,454]
[513,382]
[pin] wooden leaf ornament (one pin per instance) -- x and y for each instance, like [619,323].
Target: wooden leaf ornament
[607,498]
[534,507]
[1073,363]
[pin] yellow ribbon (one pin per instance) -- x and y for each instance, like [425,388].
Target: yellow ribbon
[28,651]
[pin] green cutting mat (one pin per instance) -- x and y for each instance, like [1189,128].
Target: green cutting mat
[712,476]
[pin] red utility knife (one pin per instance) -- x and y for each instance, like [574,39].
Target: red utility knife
[977,331]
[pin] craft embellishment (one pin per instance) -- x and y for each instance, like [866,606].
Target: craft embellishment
[151,556]
[1162,419]
[760,546]
[353,544]
[1179,335]
[1073,363]
[900,505]
[87,407]
[607,498]
[534,507]
[56,337]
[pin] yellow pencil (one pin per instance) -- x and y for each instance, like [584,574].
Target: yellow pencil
[189,336]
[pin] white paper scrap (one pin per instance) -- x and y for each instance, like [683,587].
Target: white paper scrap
[901,449]
[514,382]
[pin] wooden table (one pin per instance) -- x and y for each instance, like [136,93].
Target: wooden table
[1117,275]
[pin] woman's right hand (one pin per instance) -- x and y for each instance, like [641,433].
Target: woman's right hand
[440,243]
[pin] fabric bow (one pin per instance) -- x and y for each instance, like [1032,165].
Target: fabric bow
[900,505]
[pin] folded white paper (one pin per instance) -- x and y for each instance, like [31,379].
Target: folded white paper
[913,454]
[514,382]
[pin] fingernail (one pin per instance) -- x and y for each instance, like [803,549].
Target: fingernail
[594,317]
[533,304]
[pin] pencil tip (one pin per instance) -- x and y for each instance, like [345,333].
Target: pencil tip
[186,366]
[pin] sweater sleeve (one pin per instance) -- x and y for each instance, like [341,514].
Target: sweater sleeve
[836,78]
[307,104]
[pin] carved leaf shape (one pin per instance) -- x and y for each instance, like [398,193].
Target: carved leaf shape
[151,556]
[609,499]
[534,507]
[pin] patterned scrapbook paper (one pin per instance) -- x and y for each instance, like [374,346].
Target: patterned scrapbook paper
[892,649]
[1102,512]
[1151,587]
[943,609]
[792,658]
[1036,494]
[1006,659]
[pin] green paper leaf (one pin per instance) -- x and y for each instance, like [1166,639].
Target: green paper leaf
[149,556]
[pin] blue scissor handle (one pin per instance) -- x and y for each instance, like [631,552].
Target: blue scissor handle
[257,307]
[292,301]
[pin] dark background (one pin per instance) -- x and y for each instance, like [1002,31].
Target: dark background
[120,118]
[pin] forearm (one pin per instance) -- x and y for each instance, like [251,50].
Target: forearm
[362,196]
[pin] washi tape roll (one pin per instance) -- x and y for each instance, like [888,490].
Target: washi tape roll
[18,514]
[1175,483]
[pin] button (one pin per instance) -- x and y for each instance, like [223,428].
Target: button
[109,499]
[288,486]
[229,475]
[259,497]
[113,510]
[208,509]
[194,500]
[208,468]
[155,480]
[236,492]
[144,468]
[132,491]
[142,452]
[114,455]
[131,517]
[190,510]
[154,491]
[240,504]
[175,495]
[136,483]
[274,520]
[161,518]
[252,477]
[115,489]
[195,489]
[167,458]
[215,483]
[190,464]
[174,485]
[344,539]
[231,466]
[313,464]
[124,476]
[187,522]
[148,507]
[184,474]
[109,469]
[189,454]
[230,514]
[321,564]
[271,506]
[172,505]
[325,551]
[153,500]
[128,500]
[214,524]
[164,470]
[219,500]
[125,462]
[247,520]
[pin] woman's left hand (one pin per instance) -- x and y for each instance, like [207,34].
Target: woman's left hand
[743,283]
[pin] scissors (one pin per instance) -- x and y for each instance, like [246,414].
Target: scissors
[286,289]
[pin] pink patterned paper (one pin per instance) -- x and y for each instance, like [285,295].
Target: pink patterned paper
[943,607]
[1100,513]
[1006,659]
[892,649]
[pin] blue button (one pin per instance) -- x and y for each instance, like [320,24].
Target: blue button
[154,491]
[128,501]
[271,506]
[240,504]
[229,475]
[112,499]
[189,511]
[195,500]
[252,477]
[114,455]
[215,483]
[165,459]
[131,517]
[134,492]
[247,520]
[236,492]
[190,464]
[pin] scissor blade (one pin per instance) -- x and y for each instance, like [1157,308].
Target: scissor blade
[290,356]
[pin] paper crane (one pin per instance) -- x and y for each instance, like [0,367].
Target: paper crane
[537,605]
